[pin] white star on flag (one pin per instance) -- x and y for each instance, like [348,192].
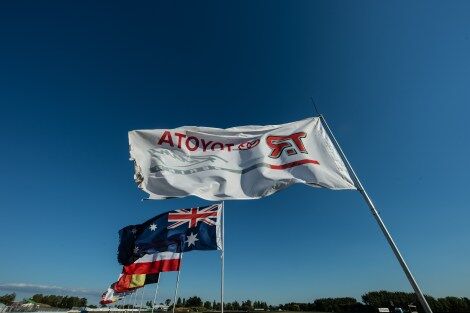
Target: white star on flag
[191,239]
[136,249]
[153,226]
[134,230]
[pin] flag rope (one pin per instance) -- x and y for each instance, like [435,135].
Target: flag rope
[222,256]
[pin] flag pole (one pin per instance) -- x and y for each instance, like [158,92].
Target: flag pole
[222,252]
[135,301]
[125,303]
[128,302]
[142,298]
[156,292]
[177,281]
[377,217]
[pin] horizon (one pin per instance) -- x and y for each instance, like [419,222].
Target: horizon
[390,80]
[26,291]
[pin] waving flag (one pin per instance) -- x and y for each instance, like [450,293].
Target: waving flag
[111,296]
[192,217]
[245,162]
[155,263]
[127,283]
[174,231]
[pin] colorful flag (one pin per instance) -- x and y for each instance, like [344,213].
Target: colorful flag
[174,231]
[246,162]
[131,282]
[154,263]
[108,297]
[111,296]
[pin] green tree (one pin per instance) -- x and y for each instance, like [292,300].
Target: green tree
[236,306]
[64,302]
[335,304]
[207,305]
[8,299]
[194,302]
[167,302]
[247,305]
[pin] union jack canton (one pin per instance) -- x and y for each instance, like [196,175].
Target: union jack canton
[193,216]
[175,231]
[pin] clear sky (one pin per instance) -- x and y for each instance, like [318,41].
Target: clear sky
[392,79]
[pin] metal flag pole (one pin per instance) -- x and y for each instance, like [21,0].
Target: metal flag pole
[141,299]
[128,302]
[222,252]
[177,281]
[377,217]
[135,301]
[124,303]
[156,292]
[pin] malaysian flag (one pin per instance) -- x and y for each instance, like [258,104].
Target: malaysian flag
[175,231]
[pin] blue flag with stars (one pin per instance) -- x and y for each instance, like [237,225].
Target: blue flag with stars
[178,231]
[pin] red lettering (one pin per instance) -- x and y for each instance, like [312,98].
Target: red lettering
[166,137]
[297,138]
[229,146]
[221,145]
[180,137]
[196,143]
[280,143]
[205,145]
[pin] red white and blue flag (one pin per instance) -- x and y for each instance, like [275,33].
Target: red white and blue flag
[193,216]
[174,231]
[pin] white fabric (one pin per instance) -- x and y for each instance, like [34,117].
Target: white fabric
[110,296]
[246,162]
[159,256]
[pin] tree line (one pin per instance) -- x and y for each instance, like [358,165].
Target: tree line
[8,298]
[247,305]
[370,302]
[63,302]
[381,299]
[402,299]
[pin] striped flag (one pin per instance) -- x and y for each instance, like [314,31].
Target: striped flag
[128,282]
[154,263]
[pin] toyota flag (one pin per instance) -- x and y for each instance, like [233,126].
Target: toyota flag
[246,162]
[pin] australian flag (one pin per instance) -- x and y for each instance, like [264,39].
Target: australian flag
[178,231]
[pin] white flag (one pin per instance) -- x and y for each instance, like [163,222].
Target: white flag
[246,162]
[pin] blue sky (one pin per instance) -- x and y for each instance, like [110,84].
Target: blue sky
[392,79]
